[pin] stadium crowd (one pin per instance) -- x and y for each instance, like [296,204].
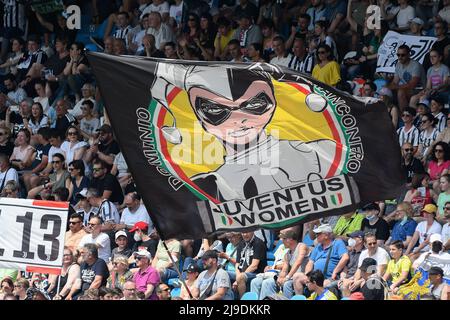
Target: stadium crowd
[56,143]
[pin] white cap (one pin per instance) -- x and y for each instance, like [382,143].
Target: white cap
[323,228]
[120,233]
[435,237]
[143,253]
[418,21]
[82,193]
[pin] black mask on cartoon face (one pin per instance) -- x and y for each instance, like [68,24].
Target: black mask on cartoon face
[215,113]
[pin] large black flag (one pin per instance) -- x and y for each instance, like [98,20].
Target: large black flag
[223,146]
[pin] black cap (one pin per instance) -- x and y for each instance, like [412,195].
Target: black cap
[357,234]
[192,267]
[367,263]
[371,206]
[434,271]
[210,254]
[105,128]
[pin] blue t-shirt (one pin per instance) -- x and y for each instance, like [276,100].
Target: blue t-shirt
[400,232]
[319,256]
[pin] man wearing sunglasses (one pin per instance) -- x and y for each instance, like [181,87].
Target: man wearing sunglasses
[410,164]
[76,231]
[409,74]
[237,112]
[409,133]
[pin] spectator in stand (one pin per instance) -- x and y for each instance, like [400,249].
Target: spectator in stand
[129,291]
[60,285]
[437,80]
[6,172]
[163,262]
[428,133]
[7,287]
[255,52]
[235,51]
[76,232]
[120,273]
[106,183]
[120,170]
[19,120]
[17,52]
[439,163]
[15,93]
[294,261]
[24,154]
[409,74]
[63,119]
[335,13]
[58,179]
[123,26]
[436,107]
[247,32]
[84,208]
[11,189]
[326,70]
[316,12]
[225,33]
[122,248]
[144,237]
[423,232]
[376,252]
[301,61]
[78,181]
[410,165]
[374,287]
[409,133]
[443,198]
[105,147]
[315,283]
[170,50]
[74,147]
[369,89]
[6,146]
[330,263]
[438,286]
[89,123]
[436,251]
[88,94]
[159,30]
[34,56]
[146,277]
[398,271]
[374,224]
[251,260]
[214,282]
[405,226]
[94,272]
[268,10]
[134,212]
[98,238]
[347,224]
[322,37]
[268,32]
[76,70]
[404,13]
[192,273]
[282,57]
[163,292]
[420,193]
[20,288]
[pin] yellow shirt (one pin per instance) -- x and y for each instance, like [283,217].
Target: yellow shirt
[344,225]
[329,73]
[327,295]
[224,40]
[396,268]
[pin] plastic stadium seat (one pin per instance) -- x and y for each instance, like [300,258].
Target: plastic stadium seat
[298,297]
[175,292]
[91,47]
[250,296]
[271,253]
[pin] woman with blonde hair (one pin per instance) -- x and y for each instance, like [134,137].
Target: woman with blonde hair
[70,272]
[120,273]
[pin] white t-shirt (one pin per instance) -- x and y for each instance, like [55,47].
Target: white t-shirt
[10,174]
[102,240]
[445,233]
[69,151]
[442,255]
[422,229]
[76,111]
[381,256]
[404,16]
[53,150]
[283,61]
[176,12]
[161,8]
[141,214]
[122,167]
[89,126]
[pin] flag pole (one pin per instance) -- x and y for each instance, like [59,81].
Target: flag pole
[178,271]
[59,284]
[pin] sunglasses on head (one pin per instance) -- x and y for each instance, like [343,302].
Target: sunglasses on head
[215,113]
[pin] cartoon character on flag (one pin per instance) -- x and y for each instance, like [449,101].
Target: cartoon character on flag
[235,104]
